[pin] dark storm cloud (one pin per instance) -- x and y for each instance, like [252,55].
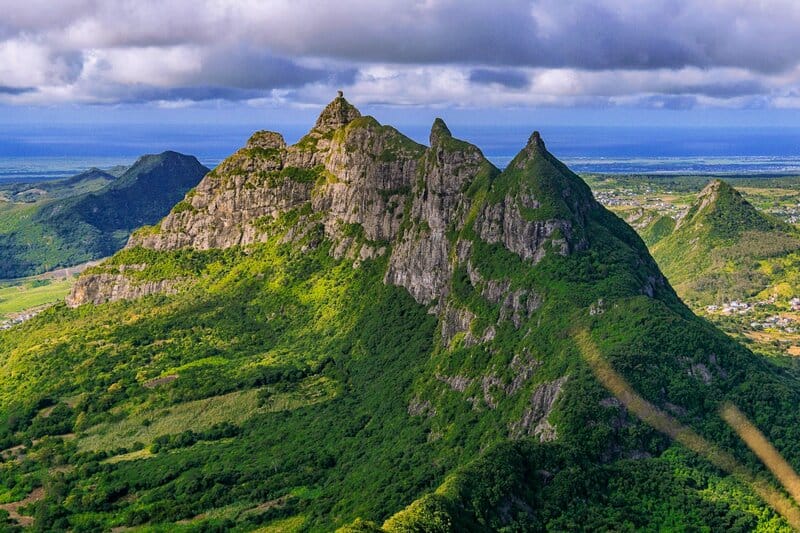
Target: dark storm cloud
[507,78]
[142,93]
[247,67]
[587,34]
[15,90]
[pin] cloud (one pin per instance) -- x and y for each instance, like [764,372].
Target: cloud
[510,79]
[15,90]
[425,52]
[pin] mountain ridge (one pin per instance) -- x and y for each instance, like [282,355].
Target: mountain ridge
[359,331]
[76,228]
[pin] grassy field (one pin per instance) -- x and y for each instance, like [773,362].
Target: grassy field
[22,296]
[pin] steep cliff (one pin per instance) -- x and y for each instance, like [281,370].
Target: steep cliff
[372,191]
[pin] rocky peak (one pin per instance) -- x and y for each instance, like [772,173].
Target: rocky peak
[338,113]
[373,191]
[536,140]
[421,261]
[439,130]
[720,208]
[535,150]
[266,139]
[537,204]
[714,189]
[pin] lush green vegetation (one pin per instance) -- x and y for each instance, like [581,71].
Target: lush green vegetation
[79,224]
[718,250]
[284,388]
[20,296]
[86,182]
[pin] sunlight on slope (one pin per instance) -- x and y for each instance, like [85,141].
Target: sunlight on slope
[668,425]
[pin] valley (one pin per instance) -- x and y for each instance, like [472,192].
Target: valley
[62,223]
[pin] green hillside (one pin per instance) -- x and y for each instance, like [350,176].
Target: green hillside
[719,251]
[91,180]
[361,332]
[73,221]
[650,225]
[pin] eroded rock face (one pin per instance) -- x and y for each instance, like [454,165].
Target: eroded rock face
[534,420]
[504,223]
[101,288]
[373,168]
[421,260]
[338,113]
[375,192]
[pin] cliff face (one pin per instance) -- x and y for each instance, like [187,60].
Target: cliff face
[349,168]
[439,205]
[372,191]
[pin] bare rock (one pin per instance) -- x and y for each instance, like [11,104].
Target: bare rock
[534,420]
[107,287]
[421,260]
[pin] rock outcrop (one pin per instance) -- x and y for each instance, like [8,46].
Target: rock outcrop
[104,287]
[531,217]
[374,191]
[421,261]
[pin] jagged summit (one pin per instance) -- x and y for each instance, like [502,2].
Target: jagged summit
[438,130]
[266,139]
[715,185]
[351,171]
[336,114]
[536,139]
[717,189]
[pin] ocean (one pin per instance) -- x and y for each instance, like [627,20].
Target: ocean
[34,153]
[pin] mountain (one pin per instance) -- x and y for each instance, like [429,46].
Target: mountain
[77,226]
[719,249]
[88,181]
[361,332]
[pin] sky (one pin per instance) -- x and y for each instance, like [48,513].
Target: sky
[576,62]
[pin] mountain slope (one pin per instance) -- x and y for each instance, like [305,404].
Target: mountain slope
[359,330]
[715,251]
[651,225]
[75,229]
[88,181]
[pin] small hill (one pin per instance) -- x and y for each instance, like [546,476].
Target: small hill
[717,250]
[88,225]
[88,181]
[358,331]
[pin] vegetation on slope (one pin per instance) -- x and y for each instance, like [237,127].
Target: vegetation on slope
[323,397]
[67,231]
[718,248]
[91,180]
